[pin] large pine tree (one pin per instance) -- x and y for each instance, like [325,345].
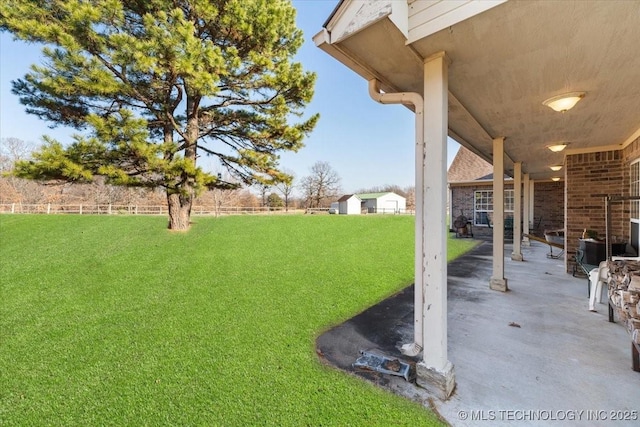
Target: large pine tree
[154,84]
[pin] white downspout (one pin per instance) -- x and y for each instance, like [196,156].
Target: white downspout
[415,99]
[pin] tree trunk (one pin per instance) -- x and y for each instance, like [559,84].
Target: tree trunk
[179,211]
[181,200]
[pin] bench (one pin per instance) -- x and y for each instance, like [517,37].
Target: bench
[551,245]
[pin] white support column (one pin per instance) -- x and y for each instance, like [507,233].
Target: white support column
[498,282]
[435,372]
[526,219]
[516,255]
[532,187]
[449,204]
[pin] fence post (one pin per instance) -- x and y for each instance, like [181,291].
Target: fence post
[13,208]
[109,209]
[136,210]
[81,209]
[48,208]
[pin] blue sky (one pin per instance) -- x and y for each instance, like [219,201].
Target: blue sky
[366,143]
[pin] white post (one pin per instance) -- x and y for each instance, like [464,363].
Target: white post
[498,282]
[449,204]
[516,255]
[80,209]
[13,208]
[48,208]
[526,218]
[532,187]
[109,210]
[435,371]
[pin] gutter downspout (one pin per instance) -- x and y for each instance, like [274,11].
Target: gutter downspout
[415,99]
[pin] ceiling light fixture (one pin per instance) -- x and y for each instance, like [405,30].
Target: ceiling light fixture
[565,101]
[556,148]
[555,168]
[555,178]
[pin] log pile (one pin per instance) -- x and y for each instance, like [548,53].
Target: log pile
[624,294]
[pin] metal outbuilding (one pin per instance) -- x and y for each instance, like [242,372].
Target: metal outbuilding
[387,202]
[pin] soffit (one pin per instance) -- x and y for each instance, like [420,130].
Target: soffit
[507,60]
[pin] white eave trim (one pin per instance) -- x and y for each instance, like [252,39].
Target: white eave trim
[603,148]
[632,138]
[479,183]
[351,17]
[323,41]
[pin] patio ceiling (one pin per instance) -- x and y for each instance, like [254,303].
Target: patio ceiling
[506,61]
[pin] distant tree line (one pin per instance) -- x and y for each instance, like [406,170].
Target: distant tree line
[317,190]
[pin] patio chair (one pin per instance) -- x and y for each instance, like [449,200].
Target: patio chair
[508,228]
[584,267]
[597,277]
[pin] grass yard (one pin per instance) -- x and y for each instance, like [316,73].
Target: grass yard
[109,320]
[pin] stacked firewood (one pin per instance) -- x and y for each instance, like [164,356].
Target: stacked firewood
[624,294]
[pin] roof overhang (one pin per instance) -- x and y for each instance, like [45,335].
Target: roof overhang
[506,59]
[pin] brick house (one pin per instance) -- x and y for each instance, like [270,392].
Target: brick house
[540,90]
[470,181]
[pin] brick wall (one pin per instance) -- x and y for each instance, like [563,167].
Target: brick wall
[548,207]
[462,201]
[631,152]
[589,177]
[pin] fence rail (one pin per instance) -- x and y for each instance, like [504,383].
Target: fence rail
[89,209]
[111,209]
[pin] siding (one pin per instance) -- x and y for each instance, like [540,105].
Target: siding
[429,17]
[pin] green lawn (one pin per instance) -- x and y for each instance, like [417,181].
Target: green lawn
[117,321]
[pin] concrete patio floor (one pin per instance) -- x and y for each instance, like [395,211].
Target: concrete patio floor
[532,356]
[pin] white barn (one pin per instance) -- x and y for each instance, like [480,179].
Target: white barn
[383,202]
[349,204]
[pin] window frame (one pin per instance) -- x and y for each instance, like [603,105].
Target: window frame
[481,212]
[634,190]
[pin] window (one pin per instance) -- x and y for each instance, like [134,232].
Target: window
[634,205]
[483,206]
[634,180]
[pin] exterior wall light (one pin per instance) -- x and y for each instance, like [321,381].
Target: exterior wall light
[565,101]
[556,148]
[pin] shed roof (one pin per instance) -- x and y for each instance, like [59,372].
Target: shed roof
[347,197]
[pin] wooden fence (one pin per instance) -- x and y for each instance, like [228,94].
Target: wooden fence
[111,209]
[89,209]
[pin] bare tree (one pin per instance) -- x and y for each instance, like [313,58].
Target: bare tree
[384,189]
[410,194]
[263,189]
[286,189]
[321,186]
[13,189]
[12,150]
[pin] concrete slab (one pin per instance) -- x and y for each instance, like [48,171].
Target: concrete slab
[534,355]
